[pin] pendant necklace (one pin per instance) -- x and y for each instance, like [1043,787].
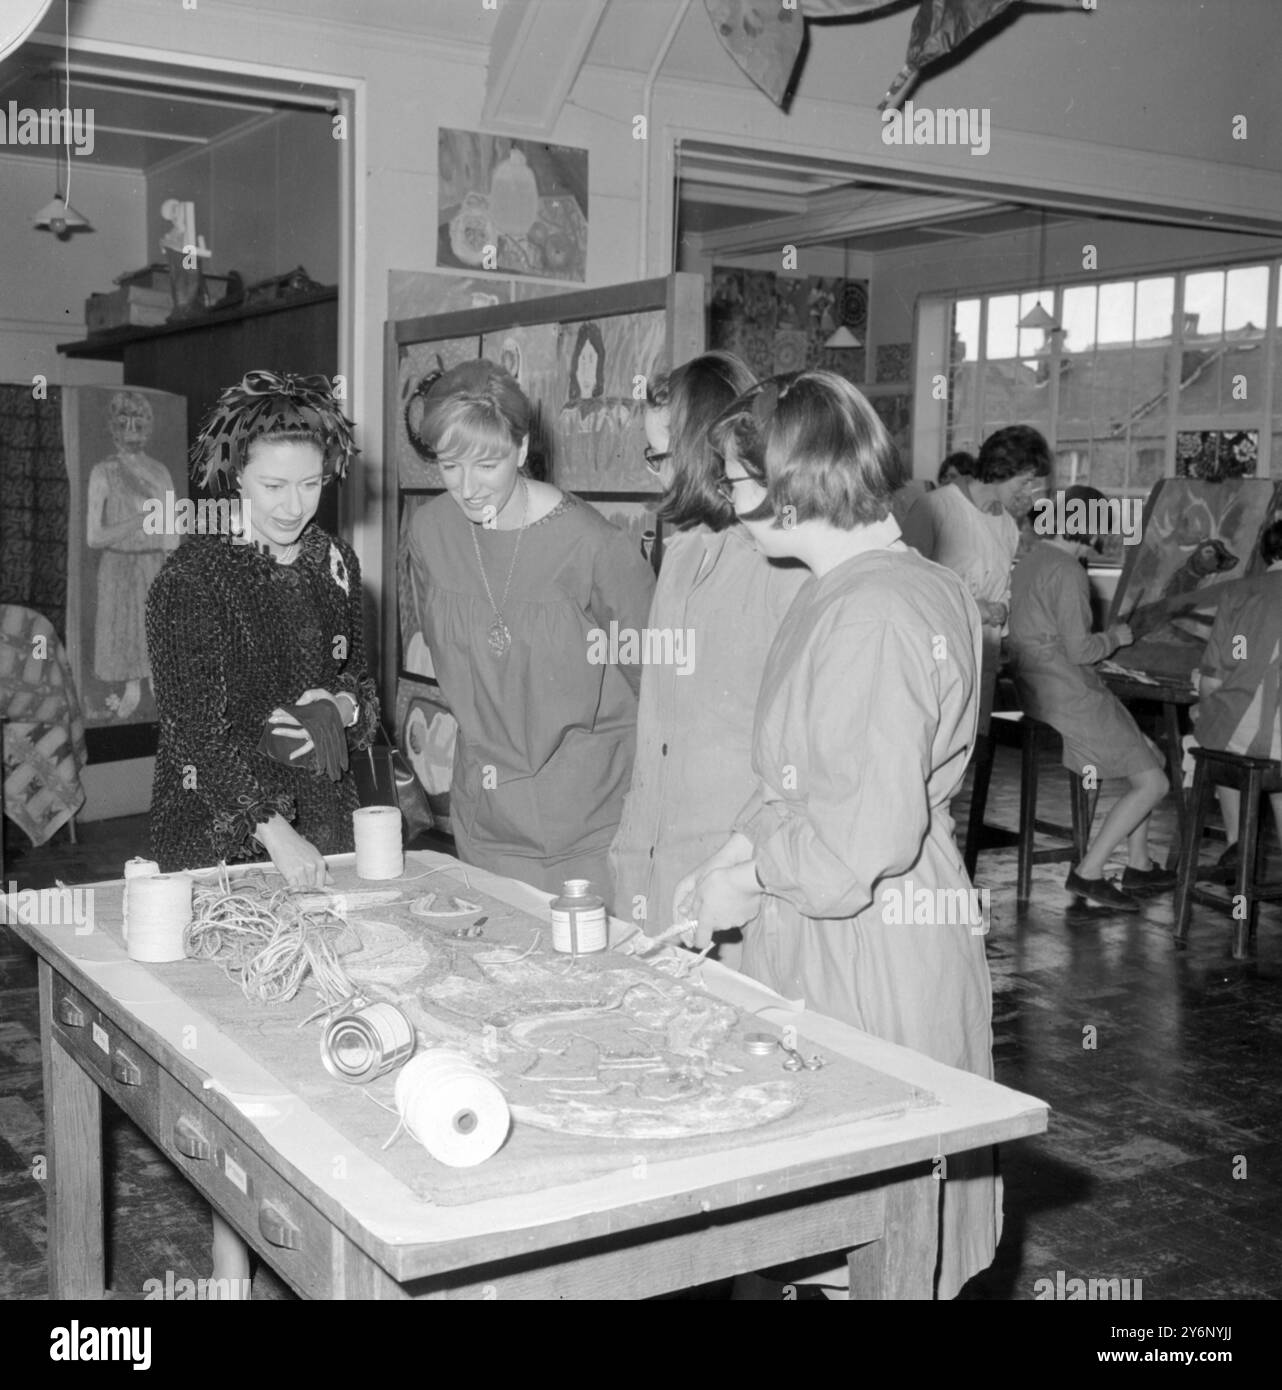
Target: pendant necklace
[499,636]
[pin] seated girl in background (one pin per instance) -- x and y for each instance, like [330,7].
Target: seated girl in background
[693,769]
[1239,710]
[1053,654]
[972,526]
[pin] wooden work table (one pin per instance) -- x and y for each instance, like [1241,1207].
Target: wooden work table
[334,1224]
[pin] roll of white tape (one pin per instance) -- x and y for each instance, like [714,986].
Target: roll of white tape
[159,912]
[454,1110]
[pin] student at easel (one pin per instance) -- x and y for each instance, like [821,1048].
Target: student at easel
[1239,709]
[1053,654]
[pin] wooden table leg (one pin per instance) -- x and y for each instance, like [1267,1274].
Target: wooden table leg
[73,1144]
[902,1263]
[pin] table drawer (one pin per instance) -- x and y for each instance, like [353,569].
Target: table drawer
[294,1238]
[119,1066]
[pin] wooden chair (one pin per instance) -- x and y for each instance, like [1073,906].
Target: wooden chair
[1034,738]
[1253,778]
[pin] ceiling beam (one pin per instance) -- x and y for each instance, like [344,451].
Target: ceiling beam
[837,216]
[535,57]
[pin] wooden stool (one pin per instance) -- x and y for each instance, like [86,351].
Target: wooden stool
[1034,738]
[1254,778]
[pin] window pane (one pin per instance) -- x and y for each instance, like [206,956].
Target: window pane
[1117,312]
[1078,317]
[1154,307]
[1072,462]
[1246,300]
[1108,463]
[966,328]
[1204,304]
[1148,463]
[1003,314]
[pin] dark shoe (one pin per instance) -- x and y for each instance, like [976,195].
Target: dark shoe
[1224,870]
[1142,882]
[1101,892]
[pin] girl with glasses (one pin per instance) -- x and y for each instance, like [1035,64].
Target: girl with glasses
[693,766]
[842,865]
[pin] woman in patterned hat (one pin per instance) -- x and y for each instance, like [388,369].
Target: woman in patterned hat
[516,586]
[256,641]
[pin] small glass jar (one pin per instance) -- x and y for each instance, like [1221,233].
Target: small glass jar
[579,923]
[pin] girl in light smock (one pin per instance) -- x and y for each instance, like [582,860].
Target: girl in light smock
[723,600]
[864,725]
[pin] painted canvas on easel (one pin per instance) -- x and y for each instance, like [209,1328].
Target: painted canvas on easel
[418,363]
[597,412]
[1198,537]
[126,453]
[511,207]
[528,352]
[416,657]
[426,733]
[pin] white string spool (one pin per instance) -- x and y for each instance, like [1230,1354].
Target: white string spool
[452,1108]
[135,868]
[378,842]
[159,913]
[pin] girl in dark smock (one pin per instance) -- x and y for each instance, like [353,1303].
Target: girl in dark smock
[518,587]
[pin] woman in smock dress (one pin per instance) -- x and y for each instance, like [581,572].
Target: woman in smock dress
[1053,654]
[693,768]
[517,586]
[864,726]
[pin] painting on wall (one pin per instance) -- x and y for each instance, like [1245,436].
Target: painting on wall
[895,410]
[1216,454]
[511,207]
[126,452]
[414,294]
[426,733]
[1198,537]
[594,413]
[418,364]
[781,323]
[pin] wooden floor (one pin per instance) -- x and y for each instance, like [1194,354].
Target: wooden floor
[1163,1161]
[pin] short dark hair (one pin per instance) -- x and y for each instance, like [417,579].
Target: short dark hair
[961,462]
[1271,542]
[695,395]
[1011,451]
[819,448]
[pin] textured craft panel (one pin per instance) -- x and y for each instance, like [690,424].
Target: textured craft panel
[642,1065]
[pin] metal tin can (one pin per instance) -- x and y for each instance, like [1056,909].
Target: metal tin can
[579,925]
[371,1042]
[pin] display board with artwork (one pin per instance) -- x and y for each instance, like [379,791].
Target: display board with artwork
[583,360]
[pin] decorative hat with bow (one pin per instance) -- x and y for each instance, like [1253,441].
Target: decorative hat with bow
[262,405]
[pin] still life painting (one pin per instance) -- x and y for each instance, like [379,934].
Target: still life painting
[512,207]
